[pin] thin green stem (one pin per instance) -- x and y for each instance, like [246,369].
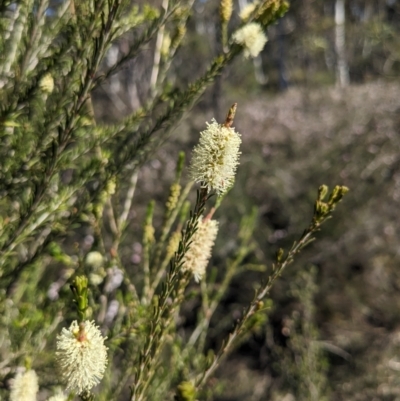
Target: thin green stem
[164,235]
[173,289]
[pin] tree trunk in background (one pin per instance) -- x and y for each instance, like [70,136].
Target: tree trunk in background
[342,71]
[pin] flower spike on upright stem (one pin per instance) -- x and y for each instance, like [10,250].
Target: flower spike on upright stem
[216,157]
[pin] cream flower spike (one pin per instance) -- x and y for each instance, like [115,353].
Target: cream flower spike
[252,38]
[81,355]
[216,157]
[24,386]
[199,253]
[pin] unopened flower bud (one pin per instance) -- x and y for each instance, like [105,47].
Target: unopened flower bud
[185,392]
[173,196]
[178,36]
[225,10]
[322,191]
[173,244]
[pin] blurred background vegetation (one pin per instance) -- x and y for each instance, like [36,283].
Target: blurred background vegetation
[320,105]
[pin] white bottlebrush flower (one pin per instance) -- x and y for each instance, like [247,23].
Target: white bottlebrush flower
[247,10]
[24,386]
[81,355]
[252,38]
[199,253]
[216,157]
